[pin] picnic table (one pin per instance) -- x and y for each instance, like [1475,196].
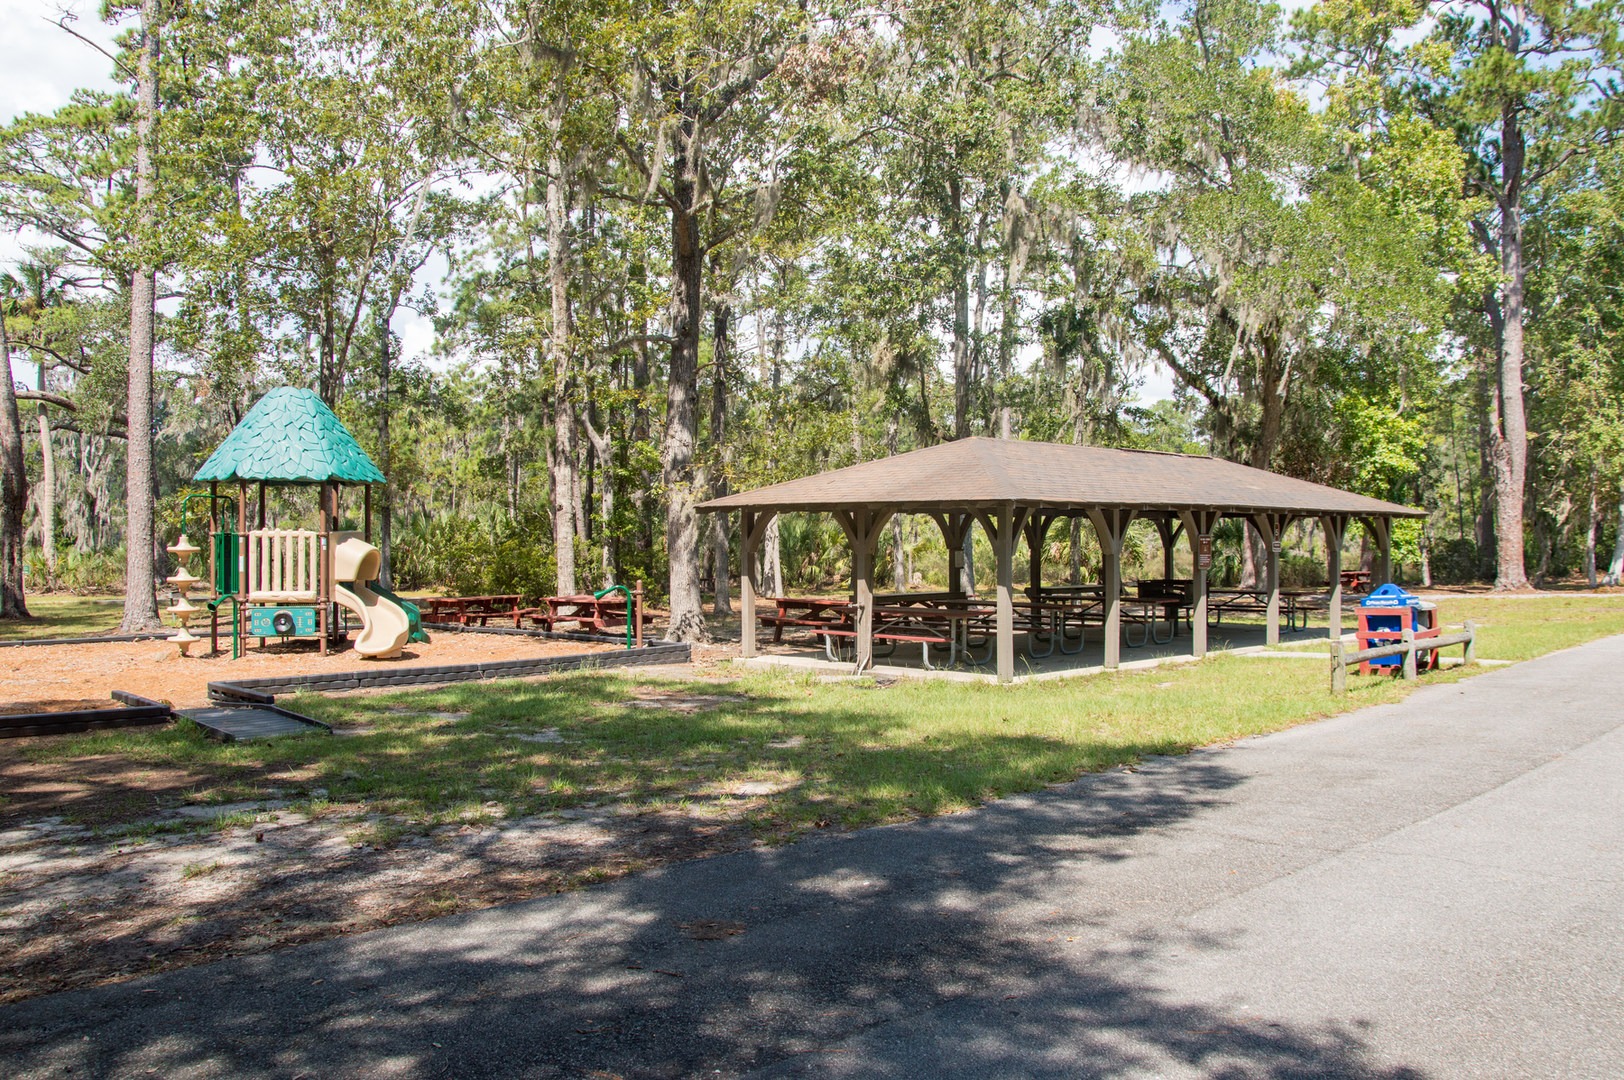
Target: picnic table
[1294,603]
[469,610]
[587,612]
[1356,579]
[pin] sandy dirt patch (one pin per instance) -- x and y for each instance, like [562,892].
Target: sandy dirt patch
[155,669]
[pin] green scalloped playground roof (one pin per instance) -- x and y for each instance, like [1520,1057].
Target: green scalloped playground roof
[290,437]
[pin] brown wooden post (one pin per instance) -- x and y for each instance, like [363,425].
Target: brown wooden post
[242,564]
[1111,526]
[261,516]
[1336,529]
[325,577]
[637,632]
[367,528]
[1036,528]
[1272,528]
[214,566]
[1198,528]
[1164,530]
[1383,528]
[863,527]
[954,526]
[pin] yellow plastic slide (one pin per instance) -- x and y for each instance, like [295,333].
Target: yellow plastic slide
[384,625]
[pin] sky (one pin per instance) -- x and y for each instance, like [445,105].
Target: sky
[45,64]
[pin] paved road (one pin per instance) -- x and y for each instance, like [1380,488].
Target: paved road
[1429,889]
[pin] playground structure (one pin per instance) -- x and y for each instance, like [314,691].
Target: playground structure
[290,583]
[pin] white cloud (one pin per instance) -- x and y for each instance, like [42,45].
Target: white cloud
[44,63]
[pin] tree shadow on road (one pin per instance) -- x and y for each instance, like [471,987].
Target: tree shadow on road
[931,949]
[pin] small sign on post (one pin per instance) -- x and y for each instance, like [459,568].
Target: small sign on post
[1203,552]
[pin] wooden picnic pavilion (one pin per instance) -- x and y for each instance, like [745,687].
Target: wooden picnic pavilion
[1018,489]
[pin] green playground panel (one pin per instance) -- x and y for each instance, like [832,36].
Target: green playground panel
[297,622]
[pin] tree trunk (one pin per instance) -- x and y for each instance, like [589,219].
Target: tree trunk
[1591,522]
[719,543]
[1510,447]
[963,353]
[45,495]
[682,392]
[140,584]
[603,449]
[13,489]
[899,579]
[562,454]
[386,507]
[1615,569]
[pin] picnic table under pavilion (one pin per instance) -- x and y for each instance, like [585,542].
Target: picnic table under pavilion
[1017,490]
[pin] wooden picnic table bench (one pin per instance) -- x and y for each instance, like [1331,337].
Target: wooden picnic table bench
[470,610]
[587,612]
[805,612]
[1294,604]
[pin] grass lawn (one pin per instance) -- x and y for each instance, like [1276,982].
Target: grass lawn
[783,753]
[780,753]
[1519,627]
[57,616]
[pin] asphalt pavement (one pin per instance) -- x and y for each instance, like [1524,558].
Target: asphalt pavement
[1429,889]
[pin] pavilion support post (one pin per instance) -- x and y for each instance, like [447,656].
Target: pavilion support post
[1381,530]
[955,530]
[1271,529]
[1004,527]
[752,527]
[1336,530]
[1165,529]
[863,527]
[1037,528]
[1111,526]
[1198,525]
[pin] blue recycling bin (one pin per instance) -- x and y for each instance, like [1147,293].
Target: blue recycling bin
[1385,613]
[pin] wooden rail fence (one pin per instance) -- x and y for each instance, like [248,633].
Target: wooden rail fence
[1407,648]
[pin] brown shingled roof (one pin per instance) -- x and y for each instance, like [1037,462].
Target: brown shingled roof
[983,473]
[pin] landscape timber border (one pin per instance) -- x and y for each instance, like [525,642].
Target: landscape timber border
[263,691]
[133,710]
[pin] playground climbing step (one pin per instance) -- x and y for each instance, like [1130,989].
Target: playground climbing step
[229,723]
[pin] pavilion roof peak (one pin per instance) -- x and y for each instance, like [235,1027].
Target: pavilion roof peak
[980,472]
